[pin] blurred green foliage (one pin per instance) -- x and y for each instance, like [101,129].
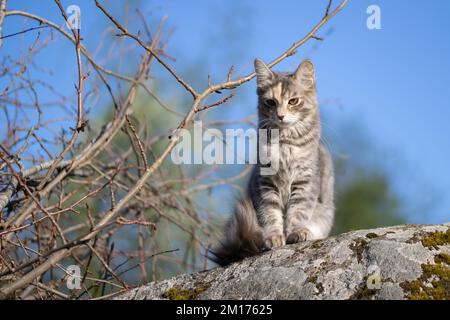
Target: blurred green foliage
[366,201]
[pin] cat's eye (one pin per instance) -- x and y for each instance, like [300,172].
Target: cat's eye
[293,101]
[270,103]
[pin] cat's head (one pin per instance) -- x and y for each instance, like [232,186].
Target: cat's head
[285,99]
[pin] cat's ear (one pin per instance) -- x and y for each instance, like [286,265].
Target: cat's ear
[263,73]
[305,74]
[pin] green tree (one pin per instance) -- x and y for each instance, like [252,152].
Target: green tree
[364,196]
[366,201]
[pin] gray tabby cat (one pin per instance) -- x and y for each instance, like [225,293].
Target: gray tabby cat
[296,203]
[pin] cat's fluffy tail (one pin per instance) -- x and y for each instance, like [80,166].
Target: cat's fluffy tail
[243,235]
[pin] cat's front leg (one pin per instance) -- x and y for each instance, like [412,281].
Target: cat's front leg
[300,209]
[271,216]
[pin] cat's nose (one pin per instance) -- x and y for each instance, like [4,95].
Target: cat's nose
[280,116]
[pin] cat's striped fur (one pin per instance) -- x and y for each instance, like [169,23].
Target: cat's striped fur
[296,203]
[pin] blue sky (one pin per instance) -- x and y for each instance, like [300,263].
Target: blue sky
[392,82]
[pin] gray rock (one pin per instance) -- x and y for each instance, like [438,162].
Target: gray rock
[402,262]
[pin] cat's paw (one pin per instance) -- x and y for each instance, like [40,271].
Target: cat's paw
[299,235]
[274,240]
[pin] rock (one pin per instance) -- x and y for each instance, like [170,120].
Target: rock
[401,262]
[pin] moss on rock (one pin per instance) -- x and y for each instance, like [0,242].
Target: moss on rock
[319,286]
[442,258]
[435,239]
[312,279]
[358,246]
[184,294]
[372,235]
[434,283]
[363,292]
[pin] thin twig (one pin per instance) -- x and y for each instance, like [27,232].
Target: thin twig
[149,49]
[215,104]
[22,32]
[139,142]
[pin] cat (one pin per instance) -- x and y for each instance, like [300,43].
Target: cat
[297,202]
